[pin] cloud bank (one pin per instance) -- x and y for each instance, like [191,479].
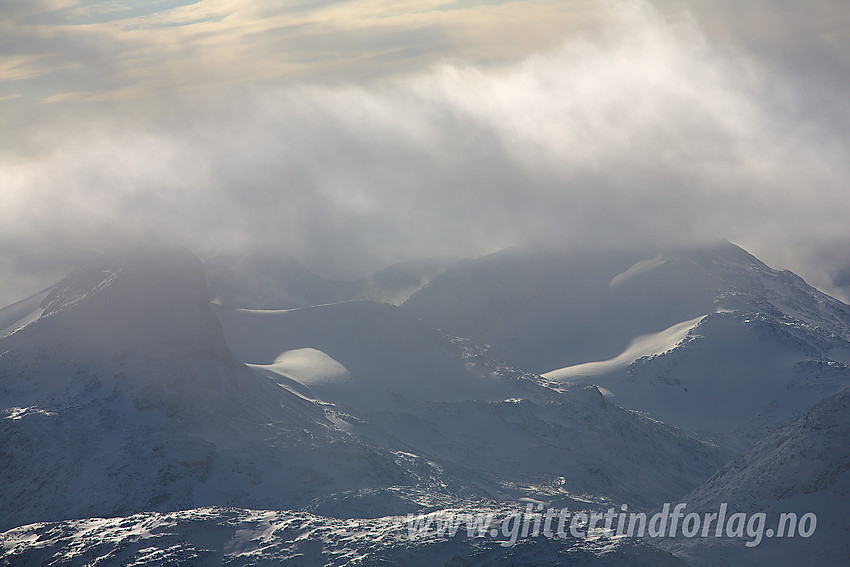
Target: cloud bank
[641,130]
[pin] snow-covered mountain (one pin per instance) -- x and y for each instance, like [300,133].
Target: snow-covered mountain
[541,309]
[571,451]
[707,338]
[279,281]
[801,468]
[121,396]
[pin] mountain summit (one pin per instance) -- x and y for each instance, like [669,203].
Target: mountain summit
[707,338]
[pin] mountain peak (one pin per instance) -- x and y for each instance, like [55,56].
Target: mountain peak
[137,323]
[145,298]
[153,270]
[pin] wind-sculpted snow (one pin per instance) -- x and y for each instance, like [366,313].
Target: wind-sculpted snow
[745,371]
[234,537]
[386,349]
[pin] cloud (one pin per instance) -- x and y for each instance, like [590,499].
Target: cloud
[97,51]
[641,130]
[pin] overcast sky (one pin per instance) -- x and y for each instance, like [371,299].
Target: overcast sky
[356,133]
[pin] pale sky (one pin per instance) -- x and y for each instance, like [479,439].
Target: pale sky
[356,133]
[67,50]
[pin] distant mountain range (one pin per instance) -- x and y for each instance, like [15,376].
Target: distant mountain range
[580,381]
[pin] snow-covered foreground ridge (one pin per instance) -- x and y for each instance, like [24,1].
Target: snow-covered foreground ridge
[234,537]
[124,394]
